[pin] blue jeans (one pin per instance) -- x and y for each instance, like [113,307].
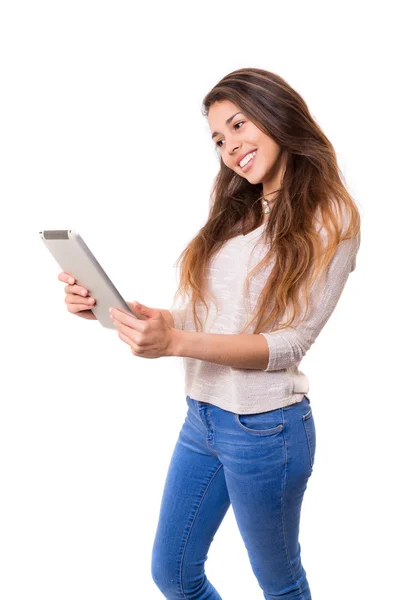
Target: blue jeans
[261,464]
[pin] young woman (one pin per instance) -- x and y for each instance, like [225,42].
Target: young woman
[273,257]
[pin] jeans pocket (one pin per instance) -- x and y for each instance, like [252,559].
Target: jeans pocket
[309,427]
[265,423]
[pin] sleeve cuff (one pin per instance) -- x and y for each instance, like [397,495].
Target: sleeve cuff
[177,315]
[274,341]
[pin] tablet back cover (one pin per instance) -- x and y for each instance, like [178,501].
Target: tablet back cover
[75,258]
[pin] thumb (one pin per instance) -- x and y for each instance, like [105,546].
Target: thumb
[145,310]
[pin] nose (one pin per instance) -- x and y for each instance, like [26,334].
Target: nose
[232,149]
[231,144]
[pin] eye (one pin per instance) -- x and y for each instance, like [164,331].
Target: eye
[235,125]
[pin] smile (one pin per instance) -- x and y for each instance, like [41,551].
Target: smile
[249,163]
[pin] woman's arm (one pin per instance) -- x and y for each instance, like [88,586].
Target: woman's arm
[242,351]
[284,348]
[288,346]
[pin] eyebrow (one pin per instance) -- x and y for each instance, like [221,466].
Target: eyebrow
[226,122]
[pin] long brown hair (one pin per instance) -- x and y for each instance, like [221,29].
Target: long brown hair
[311,188]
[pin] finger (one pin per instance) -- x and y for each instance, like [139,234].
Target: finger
[75,289]
[134,349]
[123,317]
[76,308]
[73,299]
[125,330]
[125,338]
[66,277]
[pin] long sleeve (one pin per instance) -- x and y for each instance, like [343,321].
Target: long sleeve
[178,315]
[288,346]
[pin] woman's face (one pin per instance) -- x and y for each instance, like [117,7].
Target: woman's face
[236,136]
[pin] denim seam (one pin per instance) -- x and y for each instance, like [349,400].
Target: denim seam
[191,526]
[308,438]
[283,511]
[307,415]
[263,432]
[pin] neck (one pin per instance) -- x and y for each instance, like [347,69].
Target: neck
[270,196]
[272,186]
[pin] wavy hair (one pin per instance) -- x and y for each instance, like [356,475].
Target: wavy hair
[311,188]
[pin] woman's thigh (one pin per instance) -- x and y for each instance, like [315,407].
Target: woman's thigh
[268,459]
[194,502]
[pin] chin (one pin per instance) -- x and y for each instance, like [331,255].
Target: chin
[253,178]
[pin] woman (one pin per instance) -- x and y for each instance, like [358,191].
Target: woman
[279,243]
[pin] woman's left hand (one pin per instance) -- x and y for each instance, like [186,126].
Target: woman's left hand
[149,338]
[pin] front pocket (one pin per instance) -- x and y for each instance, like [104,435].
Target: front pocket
[266,423]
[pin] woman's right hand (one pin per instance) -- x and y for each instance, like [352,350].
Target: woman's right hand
[77,298]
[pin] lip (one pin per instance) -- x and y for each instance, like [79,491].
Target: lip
[241,157]
[248,165]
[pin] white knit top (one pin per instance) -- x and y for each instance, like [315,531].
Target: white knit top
[246,391]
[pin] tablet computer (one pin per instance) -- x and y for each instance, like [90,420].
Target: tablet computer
[75,258]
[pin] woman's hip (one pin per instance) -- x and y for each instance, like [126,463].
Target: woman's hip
[248,443]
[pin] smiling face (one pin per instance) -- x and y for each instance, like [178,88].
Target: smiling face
[235,136]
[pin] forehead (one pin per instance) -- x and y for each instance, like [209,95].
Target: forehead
[220,111]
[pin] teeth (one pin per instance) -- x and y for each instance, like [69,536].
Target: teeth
[247,158]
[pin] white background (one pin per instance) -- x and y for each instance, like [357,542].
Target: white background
[102,132]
